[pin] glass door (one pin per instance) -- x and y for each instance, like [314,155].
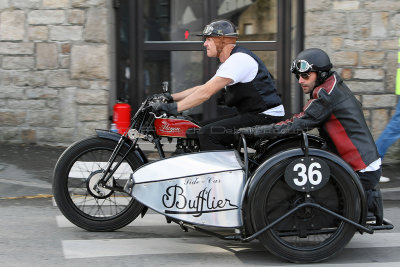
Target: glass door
[159,44]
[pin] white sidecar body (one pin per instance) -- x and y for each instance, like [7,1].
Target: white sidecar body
[200,188]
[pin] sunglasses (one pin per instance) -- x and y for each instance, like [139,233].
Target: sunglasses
[305,76]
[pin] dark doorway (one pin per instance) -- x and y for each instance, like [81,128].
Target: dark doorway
[156,42]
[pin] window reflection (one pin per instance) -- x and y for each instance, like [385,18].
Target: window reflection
[269,59]
[256,19]
[183,69]
[180,20]
[173,20]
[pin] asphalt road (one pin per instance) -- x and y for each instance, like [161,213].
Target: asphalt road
[34,233]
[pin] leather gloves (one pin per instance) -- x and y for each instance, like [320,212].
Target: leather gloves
[265,131]
[169,108]
[165,97]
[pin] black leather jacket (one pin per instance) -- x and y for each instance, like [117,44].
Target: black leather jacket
[334,109]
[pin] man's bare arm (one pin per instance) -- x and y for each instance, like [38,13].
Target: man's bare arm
[202,93]
[181,95]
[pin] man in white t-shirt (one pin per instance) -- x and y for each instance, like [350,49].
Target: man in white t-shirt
[249,88]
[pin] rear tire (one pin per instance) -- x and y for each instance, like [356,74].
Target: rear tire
[74,170]
[308,235]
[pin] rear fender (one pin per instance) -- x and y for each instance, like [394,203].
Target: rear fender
[252,182]
[285,143]
[116,137]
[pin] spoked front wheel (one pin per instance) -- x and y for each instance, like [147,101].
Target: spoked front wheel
[77,195]
[309,234]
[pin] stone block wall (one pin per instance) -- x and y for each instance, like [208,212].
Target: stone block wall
[56,62]
[362,39]
[54,69]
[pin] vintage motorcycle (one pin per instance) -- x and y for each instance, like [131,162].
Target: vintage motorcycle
[302,202]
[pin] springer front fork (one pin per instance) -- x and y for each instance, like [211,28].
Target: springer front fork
[109,171]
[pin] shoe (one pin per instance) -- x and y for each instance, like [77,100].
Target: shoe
[375,205]
[384,179]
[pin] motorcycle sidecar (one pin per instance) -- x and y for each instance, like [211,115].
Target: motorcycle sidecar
[305,205]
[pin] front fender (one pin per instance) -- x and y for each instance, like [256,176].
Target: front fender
[128,142]
[252,182]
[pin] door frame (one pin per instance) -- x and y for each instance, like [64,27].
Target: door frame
[283,46]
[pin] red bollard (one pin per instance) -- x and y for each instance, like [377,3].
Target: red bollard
[122,116]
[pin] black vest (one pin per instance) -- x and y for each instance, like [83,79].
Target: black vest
[256,96]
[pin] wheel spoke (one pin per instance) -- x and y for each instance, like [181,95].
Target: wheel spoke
[85,167]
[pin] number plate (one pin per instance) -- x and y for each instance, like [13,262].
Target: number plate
[307,174]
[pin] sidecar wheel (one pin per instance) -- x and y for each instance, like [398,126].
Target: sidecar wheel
[77,169]
[308,235]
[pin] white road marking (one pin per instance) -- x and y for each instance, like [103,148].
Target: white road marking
[141,246]
[147,246]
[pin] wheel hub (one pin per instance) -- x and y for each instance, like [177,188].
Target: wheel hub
[305,213]
[97,190]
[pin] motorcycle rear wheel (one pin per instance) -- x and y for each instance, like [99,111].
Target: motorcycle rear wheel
[78,168]
[308,235]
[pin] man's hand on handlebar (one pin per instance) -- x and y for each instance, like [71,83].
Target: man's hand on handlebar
[164,97]
[169,108]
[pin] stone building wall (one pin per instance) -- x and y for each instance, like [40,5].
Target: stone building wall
[56,62]
[54,69]
[362,39]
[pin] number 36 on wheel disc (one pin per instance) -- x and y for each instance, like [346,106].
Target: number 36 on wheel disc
[307,174]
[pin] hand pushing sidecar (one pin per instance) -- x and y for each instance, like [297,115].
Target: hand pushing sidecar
[302,202]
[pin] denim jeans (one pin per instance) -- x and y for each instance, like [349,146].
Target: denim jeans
[390,134]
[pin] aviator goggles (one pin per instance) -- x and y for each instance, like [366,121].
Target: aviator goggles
[210,31]
[299,66]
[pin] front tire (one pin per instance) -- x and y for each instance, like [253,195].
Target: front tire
[74,175]
[308,235]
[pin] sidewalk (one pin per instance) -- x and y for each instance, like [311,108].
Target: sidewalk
[26,170]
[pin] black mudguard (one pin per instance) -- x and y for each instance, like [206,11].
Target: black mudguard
[251,184]
[116,137]
[277,144]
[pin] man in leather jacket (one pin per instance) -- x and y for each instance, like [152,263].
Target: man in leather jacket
[338,115]
[249,88]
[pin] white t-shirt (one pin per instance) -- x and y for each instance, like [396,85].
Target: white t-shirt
[373,166]
[239,67]
[242,68]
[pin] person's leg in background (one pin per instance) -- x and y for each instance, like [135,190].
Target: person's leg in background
[389,135]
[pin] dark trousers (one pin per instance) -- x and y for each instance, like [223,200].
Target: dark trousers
[218,133]
[369,180]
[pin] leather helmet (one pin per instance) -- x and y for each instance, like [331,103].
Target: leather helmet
[219,28]
[312,59]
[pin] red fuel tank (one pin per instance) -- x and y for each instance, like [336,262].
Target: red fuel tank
[173,127]
[122,116]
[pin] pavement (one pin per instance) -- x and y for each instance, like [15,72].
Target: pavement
[26,171]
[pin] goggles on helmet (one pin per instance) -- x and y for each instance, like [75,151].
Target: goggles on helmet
[211,31]
[208,30]
[301,66]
